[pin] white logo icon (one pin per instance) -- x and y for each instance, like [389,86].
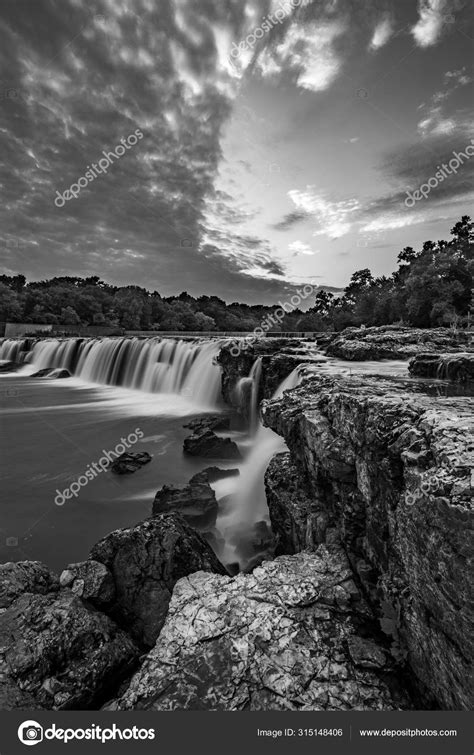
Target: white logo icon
[30,733]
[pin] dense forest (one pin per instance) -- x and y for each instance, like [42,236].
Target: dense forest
[431,287]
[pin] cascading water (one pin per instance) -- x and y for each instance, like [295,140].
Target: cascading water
[10,349]
[247,505]
[246,395]
[151,365]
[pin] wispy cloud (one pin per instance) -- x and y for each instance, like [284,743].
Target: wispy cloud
[333,218]
[436,120]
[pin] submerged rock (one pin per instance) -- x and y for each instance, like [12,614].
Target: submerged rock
[211,446]
[55,373]
[146,561]
[128,463]
[276,639]
[391,471]
[212,474]
[58,654]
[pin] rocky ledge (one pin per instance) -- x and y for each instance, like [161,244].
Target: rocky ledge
[457,367]
[279,357]
[391,471]
[394,342]
[290,636]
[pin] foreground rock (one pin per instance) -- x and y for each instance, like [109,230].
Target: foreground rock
[58,654]
[145,562]
[196,502]
[25,576]
[391,470]
[392,342]
[211,446]
[285,637]
[456,367]
[91,581]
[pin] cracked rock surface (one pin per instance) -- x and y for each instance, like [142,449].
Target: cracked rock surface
[289,636]
[390,468]
[57,653]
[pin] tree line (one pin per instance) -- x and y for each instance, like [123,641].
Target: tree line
[431,287]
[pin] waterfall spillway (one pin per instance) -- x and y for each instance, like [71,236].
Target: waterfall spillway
[10,349]
[248,504]
[152,365]
[246,394]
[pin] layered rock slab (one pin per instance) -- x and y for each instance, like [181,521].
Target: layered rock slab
[393,342]
[289,636]
[459,368]
[393,471]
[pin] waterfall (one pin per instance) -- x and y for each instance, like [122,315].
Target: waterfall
[152,365]
[10,349]
[247,505]
[246,394]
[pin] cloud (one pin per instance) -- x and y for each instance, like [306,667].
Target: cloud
[306,54]
[382,33]
[433,16]
[334,219]
[291,219]
[299,247]
[436,120]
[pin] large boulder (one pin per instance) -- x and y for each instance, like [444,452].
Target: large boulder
[58,654]
[196,502]
[286,637]
[146,561]
[393,468]
[211,446]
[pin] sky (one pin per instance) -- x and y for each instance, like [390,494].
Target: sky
[279,139]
